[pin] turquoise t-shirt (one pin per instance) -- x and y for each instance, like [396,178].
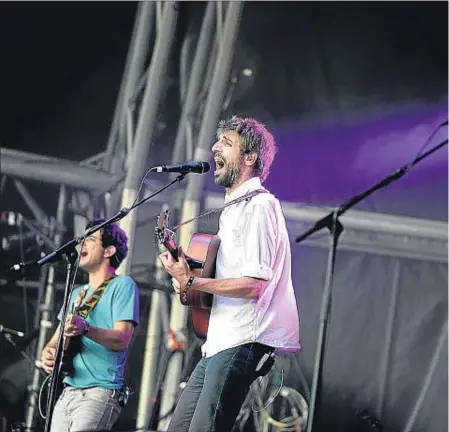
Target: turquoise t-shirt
[96,365]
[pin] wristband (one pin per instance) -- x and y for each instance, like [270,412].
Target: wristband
[185,289]
[86,328]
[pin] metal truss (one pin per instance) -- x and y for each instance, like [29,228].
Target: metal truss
[92,187]
[109,180]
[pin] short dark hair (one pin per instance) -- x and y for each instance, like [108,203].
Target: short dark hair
[255,139]
[112,235]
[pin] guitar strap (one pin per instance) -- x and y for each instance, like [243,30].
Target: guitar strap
[246,197]
[91,302]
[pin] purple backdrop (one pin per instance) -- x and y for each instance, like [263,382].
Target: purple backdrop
[326,163]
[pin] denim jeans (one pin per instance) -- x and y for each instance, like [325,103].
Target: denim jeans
[217,388]
[82,410]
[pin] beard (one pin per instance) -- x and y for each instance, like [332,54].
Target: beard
[230,176]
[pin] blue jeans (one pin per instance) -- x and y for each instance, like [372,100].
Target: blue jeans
[217,388]
[81,410]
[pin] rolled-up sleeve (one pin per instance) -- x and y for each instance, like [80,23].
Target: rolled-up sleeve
[259,241]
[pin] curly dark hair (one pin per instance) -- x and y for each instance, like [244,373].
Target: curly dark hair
[255,138]
[112,235]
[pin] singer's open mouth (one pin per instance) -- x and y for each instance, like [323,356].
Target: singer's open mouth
[219,164]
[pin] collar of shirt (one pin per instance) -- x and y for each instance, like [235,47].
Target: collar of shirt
[250,185]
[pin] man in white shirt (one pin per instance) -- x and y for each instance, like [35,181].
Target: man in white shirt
[254,312]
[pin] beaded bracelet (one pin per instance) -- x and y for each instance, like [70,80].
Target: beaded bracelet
[186,288]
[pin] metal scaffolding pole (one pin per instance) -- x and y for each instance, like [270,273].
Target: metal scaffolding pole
[158,299]
[134,67]
[38,213]
[151,359]
[190,209]
[196,79]
[138,54]
[46,310]
[147,121]
[53,170]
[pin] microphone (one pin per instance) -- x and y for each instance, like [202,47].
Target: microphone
[21,267]
[19,270]
[184,168]
[11,331]
[10,218]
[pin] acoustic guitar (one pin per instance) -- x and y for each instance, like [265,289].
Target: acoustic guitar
[201,256]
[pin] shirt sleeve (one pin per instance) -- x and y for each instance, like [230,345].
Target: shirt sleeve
[125,302]
[259,241]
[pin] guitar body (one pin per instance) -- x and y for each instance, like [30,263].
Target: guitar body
[71,346]
[204,248]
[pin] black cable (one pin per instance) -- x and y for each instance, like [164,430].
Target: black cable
[423,147]
[24,290]
[140,186]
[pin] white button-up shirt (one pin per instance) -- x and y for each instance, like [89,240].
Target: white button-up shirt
[254,243]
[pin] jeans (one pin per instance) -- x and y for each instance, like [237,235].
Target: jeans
[85,410]
[217,388]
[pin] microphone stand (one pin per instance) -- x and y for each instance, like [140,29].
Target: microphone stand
[69,252]
[332,223]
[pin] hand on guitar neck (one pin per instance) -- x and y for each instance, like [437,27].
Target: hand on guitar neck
[74,327]
[175,252]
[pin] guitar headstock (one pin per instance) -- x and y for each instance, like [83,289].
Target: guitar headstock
[165,235]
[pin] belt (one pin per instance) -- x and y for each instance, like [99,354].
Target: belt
[114,391]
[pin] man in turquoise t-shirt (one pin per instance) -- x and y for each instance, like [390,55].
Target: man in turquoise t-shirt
[93,393]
